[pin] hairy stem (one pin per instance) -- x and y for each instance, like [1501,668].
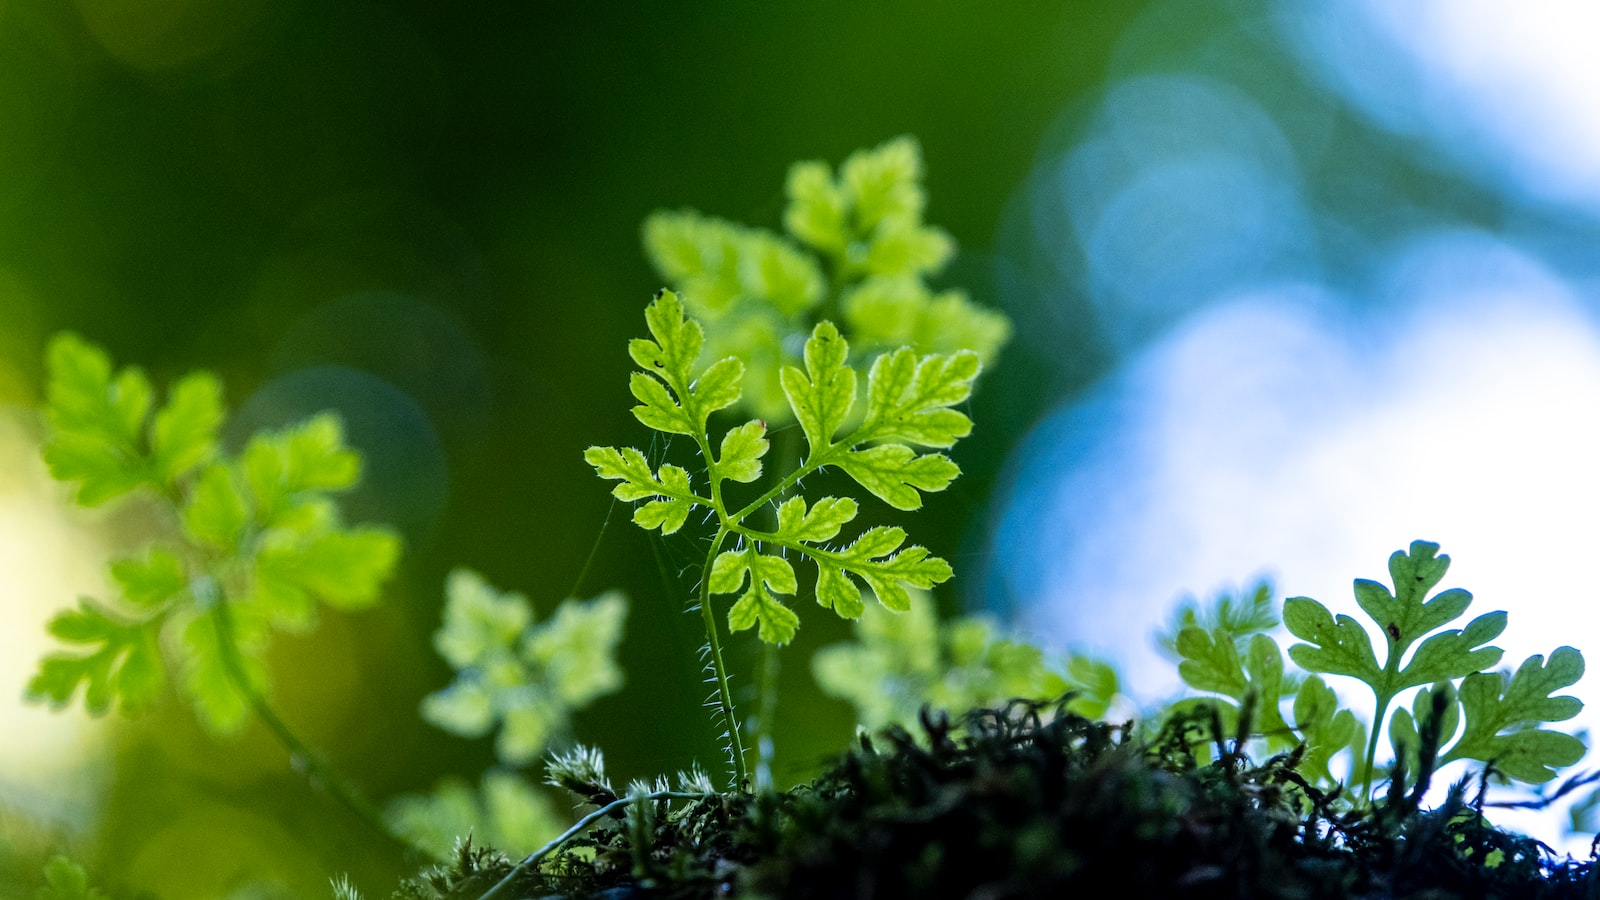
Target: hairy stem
[777,490]
[609,809]
[766,714]
[301,758]
[741,775]
[786,452]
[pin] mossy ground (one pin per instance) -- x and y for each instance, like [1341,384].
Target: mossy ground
[1030,801]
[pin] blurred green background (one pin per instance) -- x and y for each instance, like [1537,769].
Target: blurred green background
[427,216]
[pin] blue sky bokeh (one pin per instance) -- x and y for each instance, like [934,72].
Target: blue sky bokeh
[1343,258]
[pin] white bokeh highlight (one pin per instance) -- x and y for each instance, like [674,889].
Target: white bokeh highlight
[1510,92]
[1272,433]
[50,770]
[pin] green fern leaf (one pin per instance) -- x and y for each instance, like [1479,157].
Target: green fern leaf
[151,581]
[183,433]
[344,568]
[208,677]
[638,482]
[97,421]
[739,458]
[909,398]
[122,668]
[822,395]
[1501,716]
[878,559]
[768,575]
[815,525]
[260,543]
[899,662]
[895,474]
[504,811]
[525,677]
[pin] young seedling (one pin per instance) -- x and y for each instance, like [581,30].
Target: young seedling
[523,678]
[254,544]
[1489,717]
[1501,713]
[909,403]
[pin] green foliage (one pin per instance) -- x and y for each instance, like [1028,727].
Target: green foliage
[1498,714]
[524,677]
[1237,615]
[504,810]
[66,880]
[258,542]
[857,252]
[899,663]
[909,402]
[103,436]
[1490,717]
[1327,731]
[1342,646]
[764,308]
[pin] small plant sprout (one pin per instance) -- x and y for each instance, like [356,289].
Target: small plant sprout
[525,679]
[909,403]
[254,543]
[1501,713]
[1477,714]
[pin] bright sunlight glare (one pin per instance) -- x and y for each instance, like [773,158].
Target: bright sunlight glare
[45,564]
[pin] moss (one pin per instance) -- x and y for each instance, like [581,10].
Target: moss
[1032,801]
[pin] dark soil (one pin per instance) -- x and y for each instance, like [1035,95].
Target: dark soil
[1031,801]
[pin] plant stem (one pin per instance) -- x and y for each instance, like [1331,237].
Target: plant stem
[578,828]
[787,453]
[783,485]
[301,757]
[1372,741]
[741,775]
[766,715]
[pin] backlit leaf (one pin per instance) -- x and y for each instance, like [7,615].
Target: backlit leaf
[523,677]
[629,467]
[217,512]
[908,399]
[122,665]
[150,581]
[822,395]
[184,432]
[820,523]
[896,474]
[768,575]
[742,448]
[1501,716]
[96,421]
[878,559]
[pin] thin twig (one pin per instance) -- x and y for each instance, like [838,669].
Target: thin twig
[533,858]
[301,757]
[593,550]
